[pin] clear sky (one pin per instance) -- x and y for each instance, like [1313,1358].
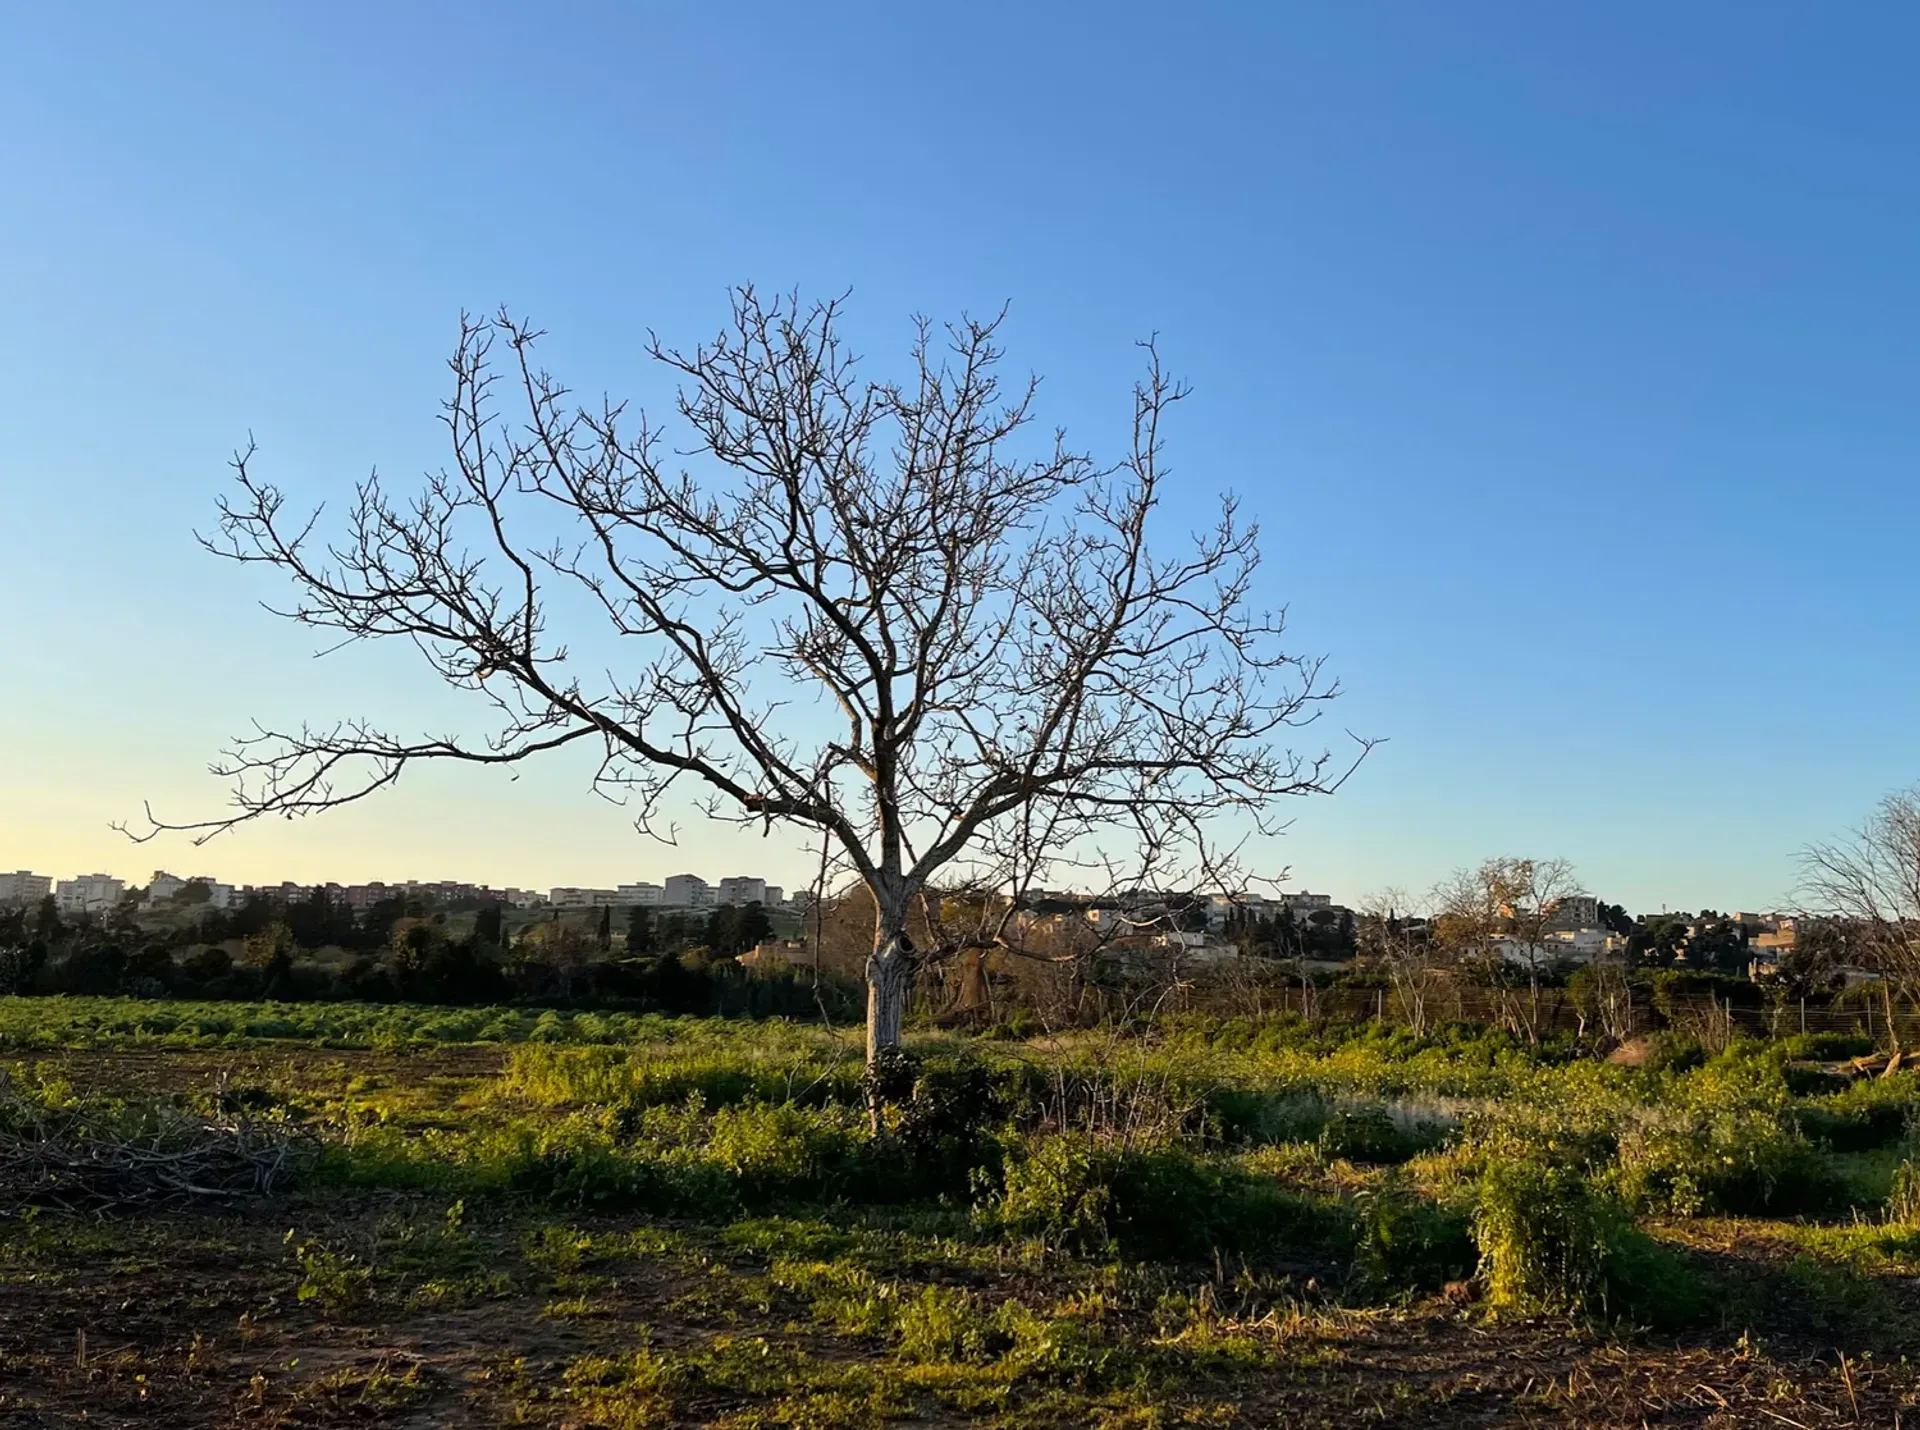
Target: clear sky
[1566,352]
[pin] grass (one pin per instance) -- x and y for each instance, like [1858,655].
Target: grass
[83,1022]
[615,1220]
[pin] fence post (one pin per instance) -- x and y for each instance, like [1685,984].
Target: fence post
[1380,1006]
[1803,1015]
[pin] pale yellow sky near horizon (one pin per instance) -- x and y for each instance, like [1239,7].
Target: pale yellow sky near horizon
[480,826]
[441,824]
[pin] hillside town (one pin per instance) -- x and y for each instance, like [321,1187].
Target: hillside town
[99,893]
[1191,930]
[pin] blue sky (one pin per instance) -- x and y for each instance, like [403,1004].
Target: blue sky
[1565,352]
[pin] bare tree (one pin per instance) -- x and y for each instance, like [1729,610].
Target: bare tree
[1603,995]
[1401,942]
[1870,882]
[1466,916]
[1024,688]
[1502,913]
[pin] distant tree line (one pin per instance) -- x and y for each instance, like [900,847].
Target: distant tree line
[1323,935]
[404,950]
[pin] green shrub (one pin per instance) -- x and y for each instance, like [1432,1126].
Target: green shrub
[1550,1241]
[336,1281]
[943,1325]
[1869,1114]
[1371,1135]
[1826,1047]
[1725,1139]
[1543,1235]
[1410,1243]
[937,1118]
[848,1297]
[584,1174]
[1903,1202]
[1158,1202]
[634,1079]
[1060,1190]
[782,1152]
[1671,1052]
[1076,1349]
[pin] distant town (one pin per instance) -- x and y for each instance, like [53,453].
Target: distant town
[1573,930]
[100,893]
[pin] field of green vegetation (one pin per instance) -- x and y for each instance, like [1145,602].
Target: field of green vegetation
[509,1216]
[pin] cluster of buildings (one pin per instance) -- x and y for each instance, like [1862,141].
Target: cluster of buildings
[82,894]
[97,893]
[1191,926]
[1200,929]
[680,891]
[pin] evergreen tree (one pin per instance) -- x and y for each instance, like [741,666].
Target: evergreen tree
[488,927]
[753,929]
[723,930]
[1286,934]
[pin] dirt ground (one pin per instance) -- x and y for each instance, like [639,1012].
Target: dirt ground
[391,1309]
[197,1320]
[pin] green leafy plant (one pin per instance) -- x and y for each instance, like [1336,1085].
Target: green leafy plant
[336,1281]
[1550,1241]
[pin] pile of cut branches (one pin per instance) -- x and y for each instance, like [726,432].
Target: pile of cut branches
[110,1156]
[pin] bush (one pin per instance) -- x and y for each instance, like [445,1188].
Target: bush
[86,969]
[780,1153]
[1161,1202]
[588,1175]
[1726,1139]
[1409,1243]
[1903,1202]
[1550,1241]
[632,1080]
[1872,1113]
[942,1325]
[1370,1135]
[208,964]
[937,1118]
[1671,1052]
[1543,1237]
[1827,1047]
[1060,1190]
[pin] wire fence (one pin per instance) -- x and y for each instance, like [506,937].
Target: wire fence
[1558,1010]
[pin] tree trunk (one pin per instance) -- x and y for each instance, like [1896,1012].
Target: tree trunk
[889,983]
[1533,999]
[974,997]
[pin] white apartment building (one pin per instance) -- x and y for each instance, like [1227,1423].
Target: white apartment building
[572,898]
[89,893]
[163,886]
[20,887]
[1302,904]
[742,891]
[1564,945]
[687,891]
[680,891]
[1575,911]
